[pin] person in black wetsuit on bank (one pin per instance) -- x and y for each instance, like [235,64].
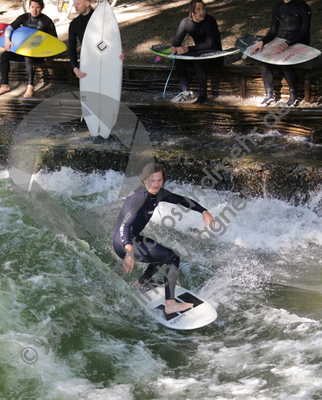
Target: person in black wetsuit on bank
[295,16]
[36,20]
[204,31]
[77,29]
[131,246]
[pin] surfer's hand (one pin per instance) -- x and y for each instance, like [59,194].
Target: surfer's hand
[128,259]
[128,263]
[182,50]
[122,56]
[208,219]
[281,47]
[7,44]
[258,48]
[173,50]
[79,73]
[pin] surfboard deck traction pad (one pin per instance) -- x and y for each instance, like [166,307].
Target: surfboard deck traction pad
[183,298]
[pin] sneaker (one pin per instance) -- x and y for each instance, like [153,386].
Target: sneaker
[184,98]
[293,102]
[267,101]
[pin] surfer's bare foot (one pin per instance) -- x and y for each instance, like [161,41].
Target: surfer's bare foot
[172,306]
[29,91]
[4,89]
[137,286]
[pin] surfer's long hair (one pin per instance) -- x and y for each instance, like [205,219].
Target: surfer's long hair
[40,2]
[150,169]
[192,7]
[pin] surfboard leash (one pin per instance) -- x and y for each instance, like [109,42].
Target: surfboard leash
[166,84]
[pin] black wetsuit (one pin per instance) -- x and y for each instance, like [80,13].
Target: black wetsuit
[136,212]
[206,36]
[76,30]
[295,18]
[41,23]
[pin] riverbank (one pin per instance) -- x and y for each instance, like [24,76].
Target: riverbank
[148,22]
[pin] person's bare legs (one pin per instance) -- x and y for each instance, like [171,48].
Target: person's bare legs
[4,88]
[172,306]
[29,91]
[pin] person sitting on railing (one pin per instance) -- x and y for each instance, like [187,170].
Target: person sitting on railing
[204,31]
[295,16]
[36,20]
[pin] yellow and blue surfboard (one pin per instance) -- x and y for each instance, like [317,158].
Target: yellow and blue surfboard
[32,43]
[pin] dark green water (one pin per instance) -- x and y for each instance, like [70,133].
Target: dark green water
[263,276]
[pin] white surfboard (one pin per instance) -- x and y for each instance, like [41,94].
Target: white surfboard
[100,90]
[202,314]
[295,54]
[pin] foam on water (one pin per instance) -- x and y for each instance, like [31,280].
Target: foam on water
[4,175]
[79,183]
[267,224]
[79,190]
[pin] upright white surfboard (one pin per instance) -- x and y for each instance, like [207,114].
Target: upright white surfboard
[100,90]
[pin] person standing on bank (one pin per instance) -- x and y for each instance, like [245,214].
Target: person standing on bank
[130,245]
[295,16]
[204,31]
[77,30]
[36,20]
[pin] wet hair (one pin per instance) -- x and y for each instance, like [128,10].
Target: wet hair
[150,169]
[40,2]
[192,7]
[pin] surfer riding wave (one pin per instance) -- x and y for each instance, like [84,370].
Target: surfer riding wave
[131,246]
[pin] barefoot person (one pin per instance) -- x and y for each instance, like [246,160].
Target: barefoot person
[295,16]
[204,31]
[77,30]
[130,245]
[36,20]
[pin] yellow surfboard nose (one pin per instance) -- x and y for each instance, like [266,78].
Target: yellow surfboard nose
[40,44]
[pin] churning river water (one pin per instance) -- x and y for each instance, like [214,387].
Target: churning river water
[263,276]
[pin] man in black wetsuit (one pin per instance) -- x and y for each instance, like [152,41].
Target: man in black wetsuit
[130,245]
[295,15]
[77,29]
[204,31]
[36,20]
